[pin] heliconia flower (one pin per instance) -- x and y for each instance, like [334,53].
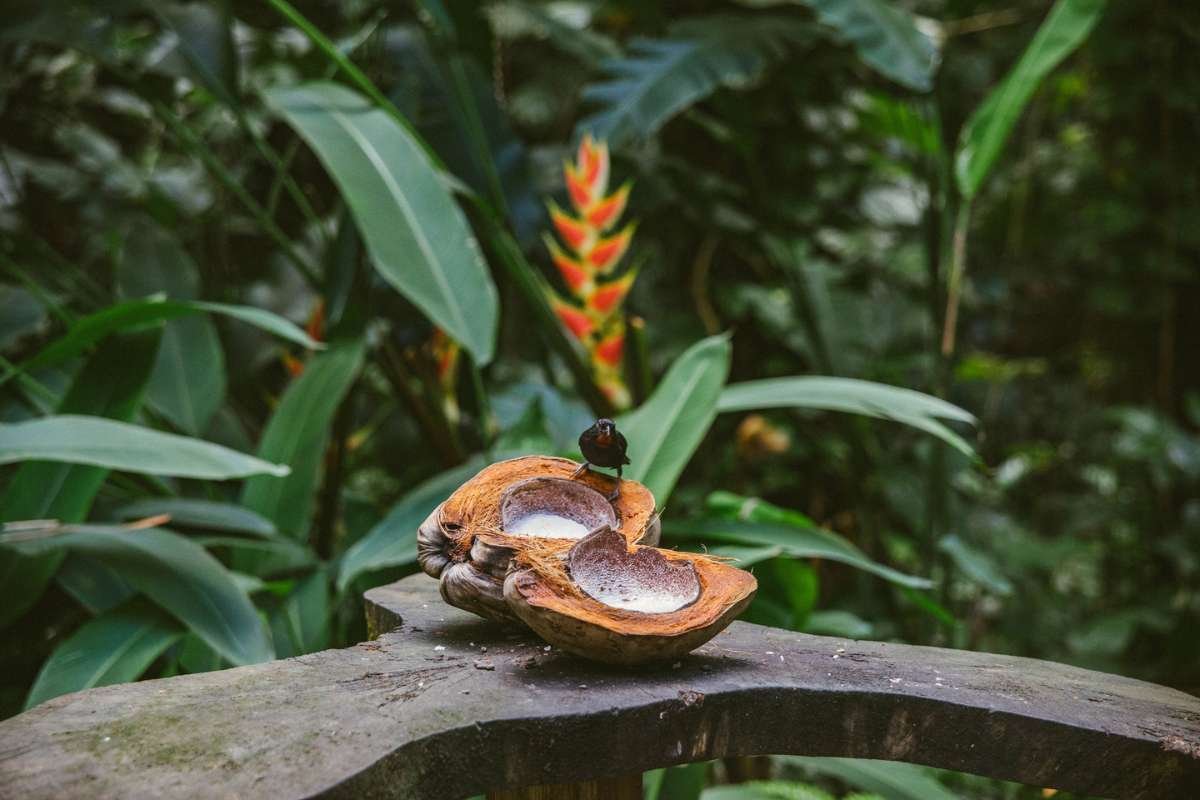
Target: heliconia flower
[616,392]
[577,187]
[575,274]
[591,161]
[607,296]
[608,351]
[605,254]
[575,232]
[576,320]
[605,212]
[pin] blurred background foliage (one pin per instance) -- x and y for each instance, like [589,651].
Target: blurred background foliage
[240,237]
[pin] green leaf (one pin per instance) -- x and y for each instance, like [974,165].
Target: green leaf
[417,236]
[877,400]
[513,19]
[300,624]
[977,566]
[665,430]
[885,36]
[393,541]
[662,77]
[205,42]
[982,138]
[177,574]
[188,382]
[110,384]
[115,647]
[139,313]
[838,623]
[892,779]
[100,442]
[298,434]
[796,542]
[96,586]
[205,514]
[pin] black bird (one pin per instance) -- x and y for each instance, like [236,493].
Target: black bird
[604,446]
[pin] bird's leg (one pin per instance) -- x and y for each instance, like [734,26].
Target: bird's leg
[612,498]
[582,469]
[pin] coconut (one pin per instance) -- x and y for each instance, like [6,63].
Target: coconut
[469,540]
[607,599]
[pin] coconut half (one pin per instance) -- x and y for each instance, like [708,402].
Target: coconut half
[469,540]
[607,599]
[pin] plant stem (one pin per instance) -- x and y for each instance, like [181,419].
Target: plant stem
[639,359]
[483,407]
[958,266]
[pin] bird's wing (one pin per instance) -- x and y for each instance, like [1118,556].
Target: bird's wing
[624,445]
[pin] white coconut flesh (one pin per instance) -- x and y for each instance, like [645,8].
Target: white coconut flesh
[554,508]
[645,581]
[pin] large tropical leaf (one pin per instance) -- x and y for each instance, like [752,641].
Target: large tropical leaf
[299,624]
[661,77]
[177,574]
[204,45]
[984,135]
[106,443]
[878,400]
[206,514]
[134,314]
[110,384]
[665,430]
[781,540]
[297,435]
[393,541]
[884,36]
[188,382]
[417,236]
[114,647]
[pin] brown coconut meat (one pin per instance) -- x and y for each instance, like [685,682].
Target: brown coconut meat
[469,540]
[609,600]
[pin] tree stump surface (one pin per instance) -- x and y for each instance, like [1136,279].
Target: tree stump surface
[423,711]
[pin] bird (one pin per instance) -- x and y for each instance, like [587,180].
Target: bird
[603,445]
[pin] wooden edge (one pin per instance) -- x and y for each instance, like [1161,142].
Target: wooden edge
[446,705]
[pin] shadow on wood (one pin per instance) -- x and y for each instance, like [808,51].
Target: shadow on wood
[446,705]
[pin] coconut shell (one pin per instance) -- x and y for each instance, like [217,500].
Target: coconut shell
[464,542]
[557,598]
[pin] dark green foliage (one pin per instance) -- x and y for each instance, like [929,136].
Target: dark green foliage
[918,281]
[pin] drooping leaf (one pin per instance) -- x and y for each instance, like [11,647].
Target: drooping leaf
[877,400]
[417,236]
[205,514]
[110,384]
[983,137]
[665,430]
[115,647]
[177,574]
[188,382]
[885,36]
[661,77]
[793,541]
[133,314]
[298,434]
[100,442]
[393,541]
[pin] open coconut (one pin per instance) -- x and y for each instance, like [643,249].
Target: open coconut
[469,540]
[609,600]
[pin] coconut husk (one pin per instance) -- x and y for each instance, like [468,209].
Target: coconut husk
[548,589]
[464,542]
